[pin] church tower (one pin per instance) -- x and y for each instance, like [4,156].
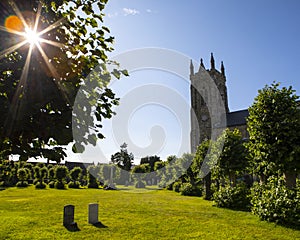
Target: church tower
[202,93]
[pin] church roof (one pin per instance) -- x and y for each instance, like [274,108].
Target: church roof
[237,118]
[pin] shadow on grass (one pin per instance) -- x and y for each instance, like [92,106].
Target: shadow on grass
[287,225]
[99,225]
[72,227]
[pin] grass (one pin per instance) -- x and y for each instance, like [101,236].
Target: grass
[37,214]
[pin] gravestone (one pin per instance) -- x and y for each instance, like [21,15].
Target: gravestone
[69,216]
[93,213]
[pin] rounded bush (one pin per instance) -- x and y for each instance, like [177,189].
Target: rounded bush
[35,181]
[233,197]
[140,184]
[22,184]
[177,186]
[274,202]
[51,184]
[93,185]
[74,184]
[40,185]
[188,189]
[59,185]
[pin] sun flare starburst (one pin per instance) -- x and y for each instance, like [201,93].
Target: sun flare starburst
[29,34]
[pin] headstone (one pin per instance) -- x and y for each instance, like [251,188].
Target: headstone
[69,215]
[93,213]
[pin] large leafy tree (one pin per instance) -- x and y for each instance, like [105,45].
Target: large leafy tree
[274,126]
[231,154]
[122,158]
[151,160]
[199,162]
[40,76]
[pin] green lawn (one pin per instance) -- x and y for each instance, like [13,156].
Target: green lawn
[37,214]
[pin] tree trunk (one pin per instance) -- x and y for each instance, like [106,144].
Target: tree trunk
[290,179]
[207,182]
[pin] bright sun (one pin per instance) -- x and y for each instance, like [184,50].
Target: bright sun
[31,36]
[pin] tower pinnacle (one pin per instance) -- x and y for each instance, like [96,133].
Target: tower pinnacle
[222,68]
[191,68]
[212,61]
[201,63]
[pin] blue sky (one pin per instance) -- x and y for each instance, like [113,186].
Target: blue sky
[257,40]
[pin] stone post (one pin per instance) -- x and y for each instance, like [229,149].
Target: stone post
[93,213]
[69,215]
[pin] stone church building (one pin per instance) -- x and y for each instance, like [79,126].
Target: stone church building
[202,95]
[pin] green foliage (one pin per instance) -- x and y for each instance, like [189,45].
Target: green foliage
[51,184]
[22,174]
[40,185]
[229,154]
[274,202]
[151,160]
[61,173]
[199,157]
[37,172]
[273,126]
[187,189]
[237,197]
[92,181]
[36,108]
[176,168]
[176,186]
[51,173]
[74,184]
[142,168]
[60,185]
[35,181]
[184,170]
[44,173]
[22,184]
[123,159]
[75,173]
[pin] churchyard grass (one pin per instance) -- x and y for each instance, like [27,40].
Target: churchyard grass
[38,214]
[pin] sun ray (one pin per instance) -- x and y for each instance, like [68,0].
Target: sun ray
[16,102]
[56,44]
[12,49]
[48,63]
[53,71]
[4,29]
[33,38]
[37,19]
[19,14]
[51,27]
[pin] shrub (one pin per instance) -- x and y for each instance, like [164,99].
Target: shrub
[51,184]
[60,185]
[237,197]
[92,181]
[176,186]
[35,181]
[22,184]
[75,184]
[187,189]
[274,202]
[40,185]
[22,174]
[140,184]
